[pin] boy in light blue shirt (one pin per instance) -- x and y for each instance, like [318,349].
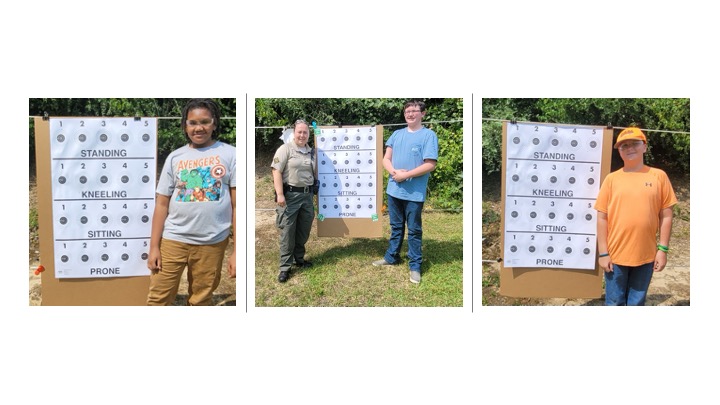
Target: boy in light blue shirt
[411,154]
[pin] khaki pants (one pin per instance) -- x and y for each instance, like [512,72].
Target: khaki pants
[204,264]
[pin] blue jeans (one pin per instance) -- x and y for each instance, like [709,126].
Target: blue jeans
[403,213]
[627,285]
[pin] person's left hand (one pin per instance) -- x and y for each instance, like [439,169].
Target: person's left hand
[400,175]
[231,265]
[660,261]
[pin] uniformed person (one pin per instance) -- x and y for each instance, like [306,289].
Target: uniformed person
[293,170]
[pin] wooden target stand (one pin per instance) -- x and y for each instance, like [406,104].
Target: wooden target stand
[541,282]
[73,291]
[347,192]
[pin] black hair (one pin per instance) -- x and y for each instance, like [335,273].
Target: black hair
[207,104]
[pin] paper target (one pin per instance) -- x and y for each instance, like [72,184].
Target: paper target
[347,171]
[552,177]
[103,174]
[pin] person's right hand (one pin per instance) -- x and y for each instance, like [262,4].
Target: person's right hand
[154,262]
[606,264]
[281,200]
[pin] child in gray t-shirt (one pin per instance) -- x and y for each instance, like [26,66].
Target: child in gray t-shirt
[194,210]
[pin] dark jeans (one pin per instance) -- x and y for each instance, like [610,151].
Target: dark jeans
[627,285]
[403,213]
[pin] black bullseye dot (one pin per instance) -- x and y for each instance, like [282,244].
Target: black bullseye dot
[104,219]
[83,179]
[83,220]
[82,137]
[570,216]
[124,179]
[593,144]
[145,219]
[124,137]
[515,177]
[62,180]
[550,249]
[513,248]
[536,141]
[103,137]
[144,256]
[103,179]
[145,179]
[84,258]
[64,259]
[514,214]
[146,137]
[125,219]
[63,221]
[104,257]
[532,249]
[586,251]
[516,140]
[61,138]
[568,250]
[125,257]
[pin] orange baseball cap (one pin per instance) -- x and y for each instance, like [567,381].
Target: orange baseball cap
[630,133]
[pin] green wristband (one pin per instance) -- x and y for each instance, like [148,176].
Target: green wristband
[663,248]
[604,254]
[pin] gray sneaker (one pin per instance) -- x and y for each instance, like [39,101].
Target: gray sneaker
[381,262]
[415,277]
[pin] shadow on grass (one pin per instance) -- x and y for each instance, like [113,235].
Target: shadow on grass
[435,253]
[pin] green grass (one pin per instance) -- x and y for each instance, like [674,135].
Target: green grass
[343,276]
[33,219]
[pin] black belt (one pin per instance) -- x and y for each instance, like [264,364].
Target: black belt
[306,189]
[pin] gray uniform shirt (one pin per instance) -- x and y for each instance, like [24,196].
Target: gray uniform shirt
[296,164]
[198,183]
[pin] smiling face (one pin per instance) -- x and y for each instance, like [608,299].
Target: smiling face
[631,151]
[301,134]
[414,115]
[199,127]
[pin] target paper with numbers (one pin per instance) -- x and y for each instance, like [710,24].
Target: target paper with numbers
[103,195]
[350,175]
[551,177]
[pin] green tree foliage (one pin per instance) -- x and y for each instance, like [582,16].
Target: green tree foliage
[445,187]
[170,136]
[671,151]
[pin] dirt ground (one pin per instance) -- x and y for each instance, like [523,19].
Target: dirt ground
[669,287]
[225,295]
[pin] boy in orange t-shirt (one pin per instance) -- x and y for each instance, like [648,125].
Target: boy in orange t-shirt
[633,203]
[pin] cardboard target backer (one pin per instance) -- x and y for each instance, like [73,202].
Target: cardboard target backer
[551,178]
[349,162]
[96,186]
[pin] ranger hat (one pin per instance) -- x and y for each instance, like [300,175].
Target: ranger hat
[628,134]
